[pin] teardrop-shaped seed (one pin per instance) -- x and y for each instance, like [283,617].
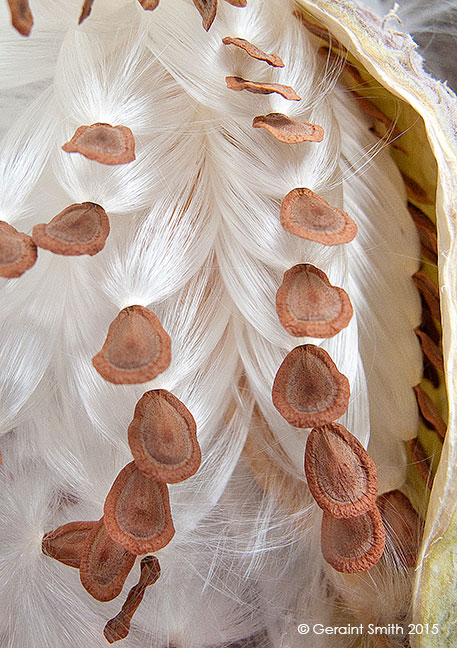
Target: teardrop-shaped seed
[352,545]
[149,5]
[341,474]
[18,252]
[272,59]
[402,525]
[85,11]
[429,291]
[136,349]
[103,143]
[21,16]
[66,543]
[137,512]
[309,216]
[430,412]
[257,87]
[118,628]
[308,390]
[237,3]
[207,10]
[163,438]
[81,228]
[289,130]
[105,564]
[430,350]
[308,305]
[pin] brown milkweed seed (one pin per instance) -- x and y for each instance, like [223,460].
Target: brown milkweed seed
[207,10]
[81,228]
[163,438]
[85,11]
[105,564]
[341,474]
[149,5]
[237,83]
[137,512]
[430,350]
[427,233]
[414,190]
[308,305]
[429,291]
[307,215]
[289,130]
[118,628]
[272,59]
[136,349]
[237,3]
[66,543]
[18,252]
[308,390]
[421,460]
[21,16]
[430,411]
[103,143]
[402,525]
[353,544]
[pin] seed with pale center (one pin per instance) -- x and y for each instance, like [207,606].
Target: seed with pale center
[429,291]
[430,412]
[18,252]
[289,130]
[21,16]
[66,543]
[237,83]
[136,349]
[163,438]
[118,628]
[308,304]
[430,350]
[105,564]
[341,474]
[272,59]
[307,215]
[207,10]
[137,512]
[402,525]
[81,228]
[85,11]
[103,143]
[355,544]
[308,390]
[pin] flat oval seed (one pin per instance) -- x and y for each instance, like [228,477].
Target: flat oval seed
[81,228]
[430,350]
[429,291]
[163,438]
[105,564]
[18,252]
[137,512]
[136,349]
[430,411]
[307,215]
[427,233]
[402,525]
[237,83]
[207,10]
[85,11]
[118,628]
[414,190]
[66,543]
[21,16]
[308,305]
[272,59]
[308,390]
[103,143]
[149,5]
[341,474]
[289,130]
[355,544]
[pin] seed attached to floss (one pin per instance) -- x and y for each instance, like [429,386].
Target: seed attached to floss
[149,5]
[237,83]
[307,215]
[308,305]
[136,349]
[103,143]
[137,512]
[163,438]
[79,229]
[421,460]
[429,291]
[105,564]
[66,543]
[289,130]
[430,411]
[414,190]
[430,350]
[18,252]
[308,390]
[272,59]
[402,525]
[119,627]
[341,475]
[237,3]
[85,11]
[21,16]
[207,10]
[427,233]
[352,545]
